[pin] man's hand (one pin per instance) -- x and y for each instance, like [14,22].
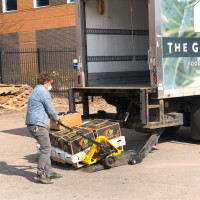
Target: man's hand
[59,122]
[62,124]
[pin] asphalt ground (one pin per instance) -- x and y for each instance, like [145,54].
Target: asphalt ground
[170,171]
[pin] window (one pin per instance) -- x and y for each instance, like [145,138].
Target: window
[40,3]
[70,1]
[9,5]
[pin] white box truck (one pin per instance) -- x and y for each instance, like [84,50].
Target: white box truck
[142,56]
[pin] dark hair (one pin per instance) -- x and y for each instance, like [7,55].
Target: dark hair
[44,77]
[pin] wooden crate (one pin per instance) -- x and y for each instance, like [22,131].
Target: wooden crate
[73,143]
[94,123]
[55,137]
[105,128]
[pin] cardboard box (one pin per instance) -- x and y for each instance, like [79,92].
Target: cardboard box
[55,137]
[94,123]
[76,157]
[60,154]
[73,143]
[119,141]
[73,119]
[105,128]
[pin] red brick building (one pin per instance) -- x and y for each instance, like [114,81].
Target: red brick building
[37,23]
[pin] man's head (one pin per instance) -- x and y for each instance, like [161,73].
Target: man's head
[45,79]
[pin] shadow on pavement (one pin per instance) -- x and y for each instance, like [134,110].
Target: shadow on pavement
[33,158]
[56,165]
[135,140]
[18,131]
[14,170]
[183,136]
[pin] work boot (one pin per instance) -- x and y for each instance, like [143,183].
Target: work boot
[54,175]
[43,179]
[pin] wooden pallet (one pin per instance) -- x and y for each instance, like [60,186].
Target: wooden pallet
[18,102]
[76,165]
[14,97]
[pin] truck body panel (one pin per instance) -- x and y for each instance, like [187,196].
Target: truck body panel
[139,44]
[112,59]
[180,42]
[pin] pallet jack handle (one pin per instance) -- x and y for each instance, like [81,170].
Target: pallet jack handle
[93,141]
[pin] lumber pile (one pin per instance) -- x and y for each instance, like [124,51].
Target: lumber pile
[14,97]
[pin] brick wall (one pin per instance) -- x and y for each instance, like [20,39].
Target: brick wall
[9,41]
[59,37]
[29,22]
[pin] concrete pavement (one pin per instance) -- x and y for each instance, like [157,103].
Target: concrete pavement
[171,170]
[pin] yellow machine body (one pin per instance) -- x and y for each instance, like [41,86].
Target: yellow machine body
[90,159]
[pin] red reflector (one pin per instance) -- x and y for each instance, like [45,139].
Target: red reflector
[79,80]
[169,95]
[78,10]
[155,78]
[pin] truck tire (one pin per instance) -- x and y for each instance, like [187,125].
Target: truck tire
[171,130]
[195,118]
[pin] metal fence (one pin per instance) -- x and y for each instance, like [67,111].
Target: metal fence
[21,66]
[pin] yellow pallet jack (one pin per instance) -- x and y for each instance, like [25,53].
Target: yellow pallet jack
[110,156]
[102,149]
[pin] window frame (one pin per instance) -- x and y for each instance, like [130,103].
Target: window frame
[35,4]
[4,7]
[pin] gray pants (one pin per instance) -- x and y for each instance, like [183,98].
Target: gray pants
[42,136]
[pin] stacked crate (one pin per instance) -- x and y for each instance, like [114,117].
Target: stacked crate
[69,147]
[103,128]
[71,142]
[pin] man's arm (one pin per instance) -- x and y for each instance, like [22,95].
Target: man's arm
[50,109]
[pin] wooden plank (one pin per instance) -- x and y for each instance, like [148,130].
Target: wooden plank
[14,91]
[4,99]
[20,98]
[27,87]
[9,107]
[22,103]
[9,89]
[76,165]
[5,85]
[59,160]
[5,90]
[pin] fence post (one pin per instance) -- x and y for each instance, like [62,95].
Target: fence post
[1,70]
[38,59]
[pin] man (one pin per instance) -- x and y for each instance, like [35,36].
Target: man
[39,112]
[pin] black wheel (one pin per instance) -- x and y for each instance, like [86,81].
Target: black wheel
[134,159]
[109,161]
